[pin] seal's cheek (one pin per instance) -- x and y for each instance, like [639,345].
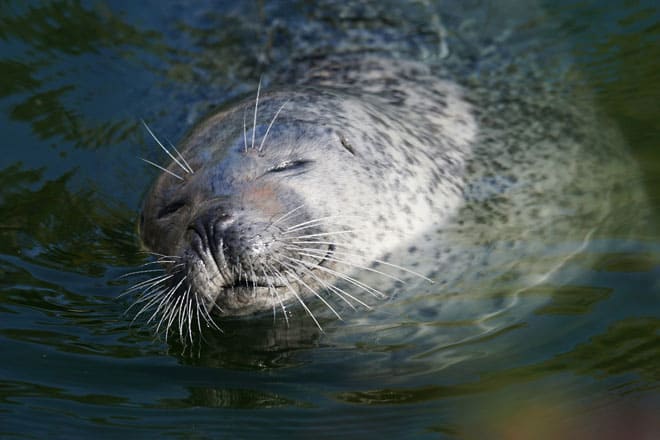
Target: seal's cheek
[263,197]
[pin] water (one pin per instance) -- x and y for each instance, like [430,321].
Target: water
[77,79]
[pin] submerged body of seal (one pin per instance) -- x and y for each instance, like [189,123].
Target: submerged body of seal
[365,174]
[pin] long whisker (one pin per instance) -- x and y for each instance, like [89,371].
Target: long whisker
[153,300]
[287,215]
[314,292]
[151,293]
[150,282]
[253,274]
[345,262]
[322,234]
[189,312]
[209,319]
[158,254]
[165,306]
[374,292]
[317,221]
[279,299]
[175,308]
[181,315]
[341,293]
[150,300]
[143,298]
[197,307]
[272,292]
[138,272]
[183,159]
[300,300]
[245,144]
[166,299]
[385,263]
[271,124]
[165,148]
[150,263]
[256,108]
[161,168]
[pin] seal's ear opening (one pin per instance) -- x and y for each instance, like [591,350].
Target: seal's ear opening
[346,144]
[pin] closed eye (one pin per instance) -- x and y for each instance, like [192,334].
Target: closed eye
[289,165]
[171,208]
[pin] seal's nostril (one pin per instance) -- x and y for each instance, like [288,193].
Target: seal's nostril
[198,231]
[210,229]
[225,218]
[222,222]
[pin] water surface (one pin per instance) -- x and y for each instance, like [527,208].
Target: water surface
[77,78]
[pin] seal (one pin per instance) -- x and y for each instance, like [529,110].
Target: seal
[359,178]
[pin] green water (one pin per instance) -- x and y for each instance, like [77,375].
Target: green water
[77,78]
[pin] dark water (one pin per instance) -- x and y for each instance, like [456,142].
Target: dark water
[77,77]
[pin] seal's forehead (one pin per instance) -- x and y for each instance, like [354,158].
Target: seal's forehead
[264,144]
[294,137]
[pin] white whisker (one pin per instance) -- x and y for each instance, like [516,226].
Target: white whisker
[314,292]
[165,148]
[174,308]
[322,234]
[180,315]
[271,124]
[197,307]
[374,292]
[183,159]
[138,272]
[156,254]
[385,263]
[149,305]
[287,215]
[161,168]
[256,108]
[189,315]
[347,263]
[318,221]
[339,292]
[150,301]
[150,282]
[300,300]
[209,319]
[245,144]
[166,298]
[277,295]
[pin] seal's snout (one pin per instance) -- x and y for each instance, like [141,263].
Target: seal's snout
[210,225]
[233,246]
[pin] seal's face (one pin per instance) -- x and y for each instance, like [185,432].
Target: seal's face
[254,218]
[298,197]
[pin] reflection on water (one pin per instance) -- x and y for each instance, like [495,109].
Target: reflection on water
[77,78]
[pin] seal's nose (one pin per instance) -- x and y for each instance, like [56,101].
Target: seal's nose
[209,227]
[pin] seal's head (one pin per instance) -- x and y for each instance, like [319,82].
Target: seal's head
[250,217]
[298,197]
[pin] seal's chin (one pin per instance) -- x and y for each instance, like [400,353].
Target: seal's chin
[242,300]
[254,287]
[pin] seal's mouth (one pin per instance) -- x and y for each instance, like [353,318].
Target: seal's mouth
[328,255]
[252,285]
[272,282]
